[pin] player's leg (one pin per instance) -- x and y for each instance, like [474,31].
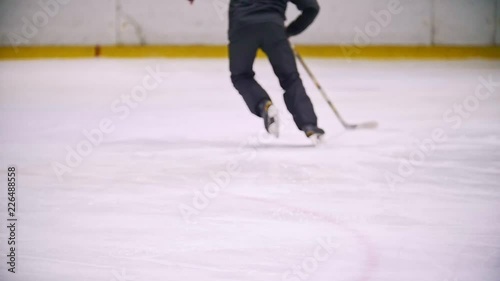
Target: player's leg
[277,47]
[243,48]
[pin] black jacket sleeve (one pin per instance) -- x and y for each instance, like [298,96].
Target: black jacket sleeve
[310,9]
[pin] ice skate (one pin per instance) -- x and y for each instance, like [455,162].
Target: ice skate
[270,114]
[314,133]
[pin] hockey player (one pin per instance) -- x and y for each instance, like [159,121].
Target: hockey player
[260,24]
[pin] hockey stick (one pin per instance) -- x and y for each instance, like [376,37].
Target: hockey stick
[366,125]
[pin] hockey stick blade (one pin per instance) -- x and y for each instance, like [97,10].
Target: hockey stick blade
[366,125]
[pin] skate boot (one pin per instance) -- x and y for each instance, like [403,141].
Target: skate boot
[270,115]
[314,133]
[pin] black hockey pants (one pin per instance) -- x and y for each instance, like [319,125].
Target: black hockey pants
[272,39]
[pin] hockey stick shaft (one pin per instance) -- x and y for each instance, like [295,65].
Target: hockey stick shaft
[367,125]
[318,85]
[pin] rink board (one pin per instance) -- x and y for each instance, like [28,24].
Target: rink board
[217,51]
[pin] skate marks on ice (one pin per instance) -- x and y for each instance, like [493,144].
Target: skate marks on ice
[439,220]
[158,145]
[339,242]
[110,272]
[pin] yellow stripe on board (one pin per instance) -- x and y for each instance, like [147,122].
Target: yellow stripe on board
[47,52]
[338,52]
[164,51]
[400,52]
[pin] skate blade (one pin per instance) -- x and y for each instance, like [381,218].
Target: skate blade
[316,139]
[274,128]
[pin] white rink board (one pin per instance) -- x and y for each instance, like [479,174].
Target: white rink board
[70,22]
[497,28]
[478,29]
[90,22]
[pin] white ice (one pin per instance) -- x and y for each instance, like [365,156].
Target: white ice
[290,211]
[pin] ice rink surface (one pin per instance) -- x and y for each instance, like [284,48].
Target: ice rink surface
[124,175]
